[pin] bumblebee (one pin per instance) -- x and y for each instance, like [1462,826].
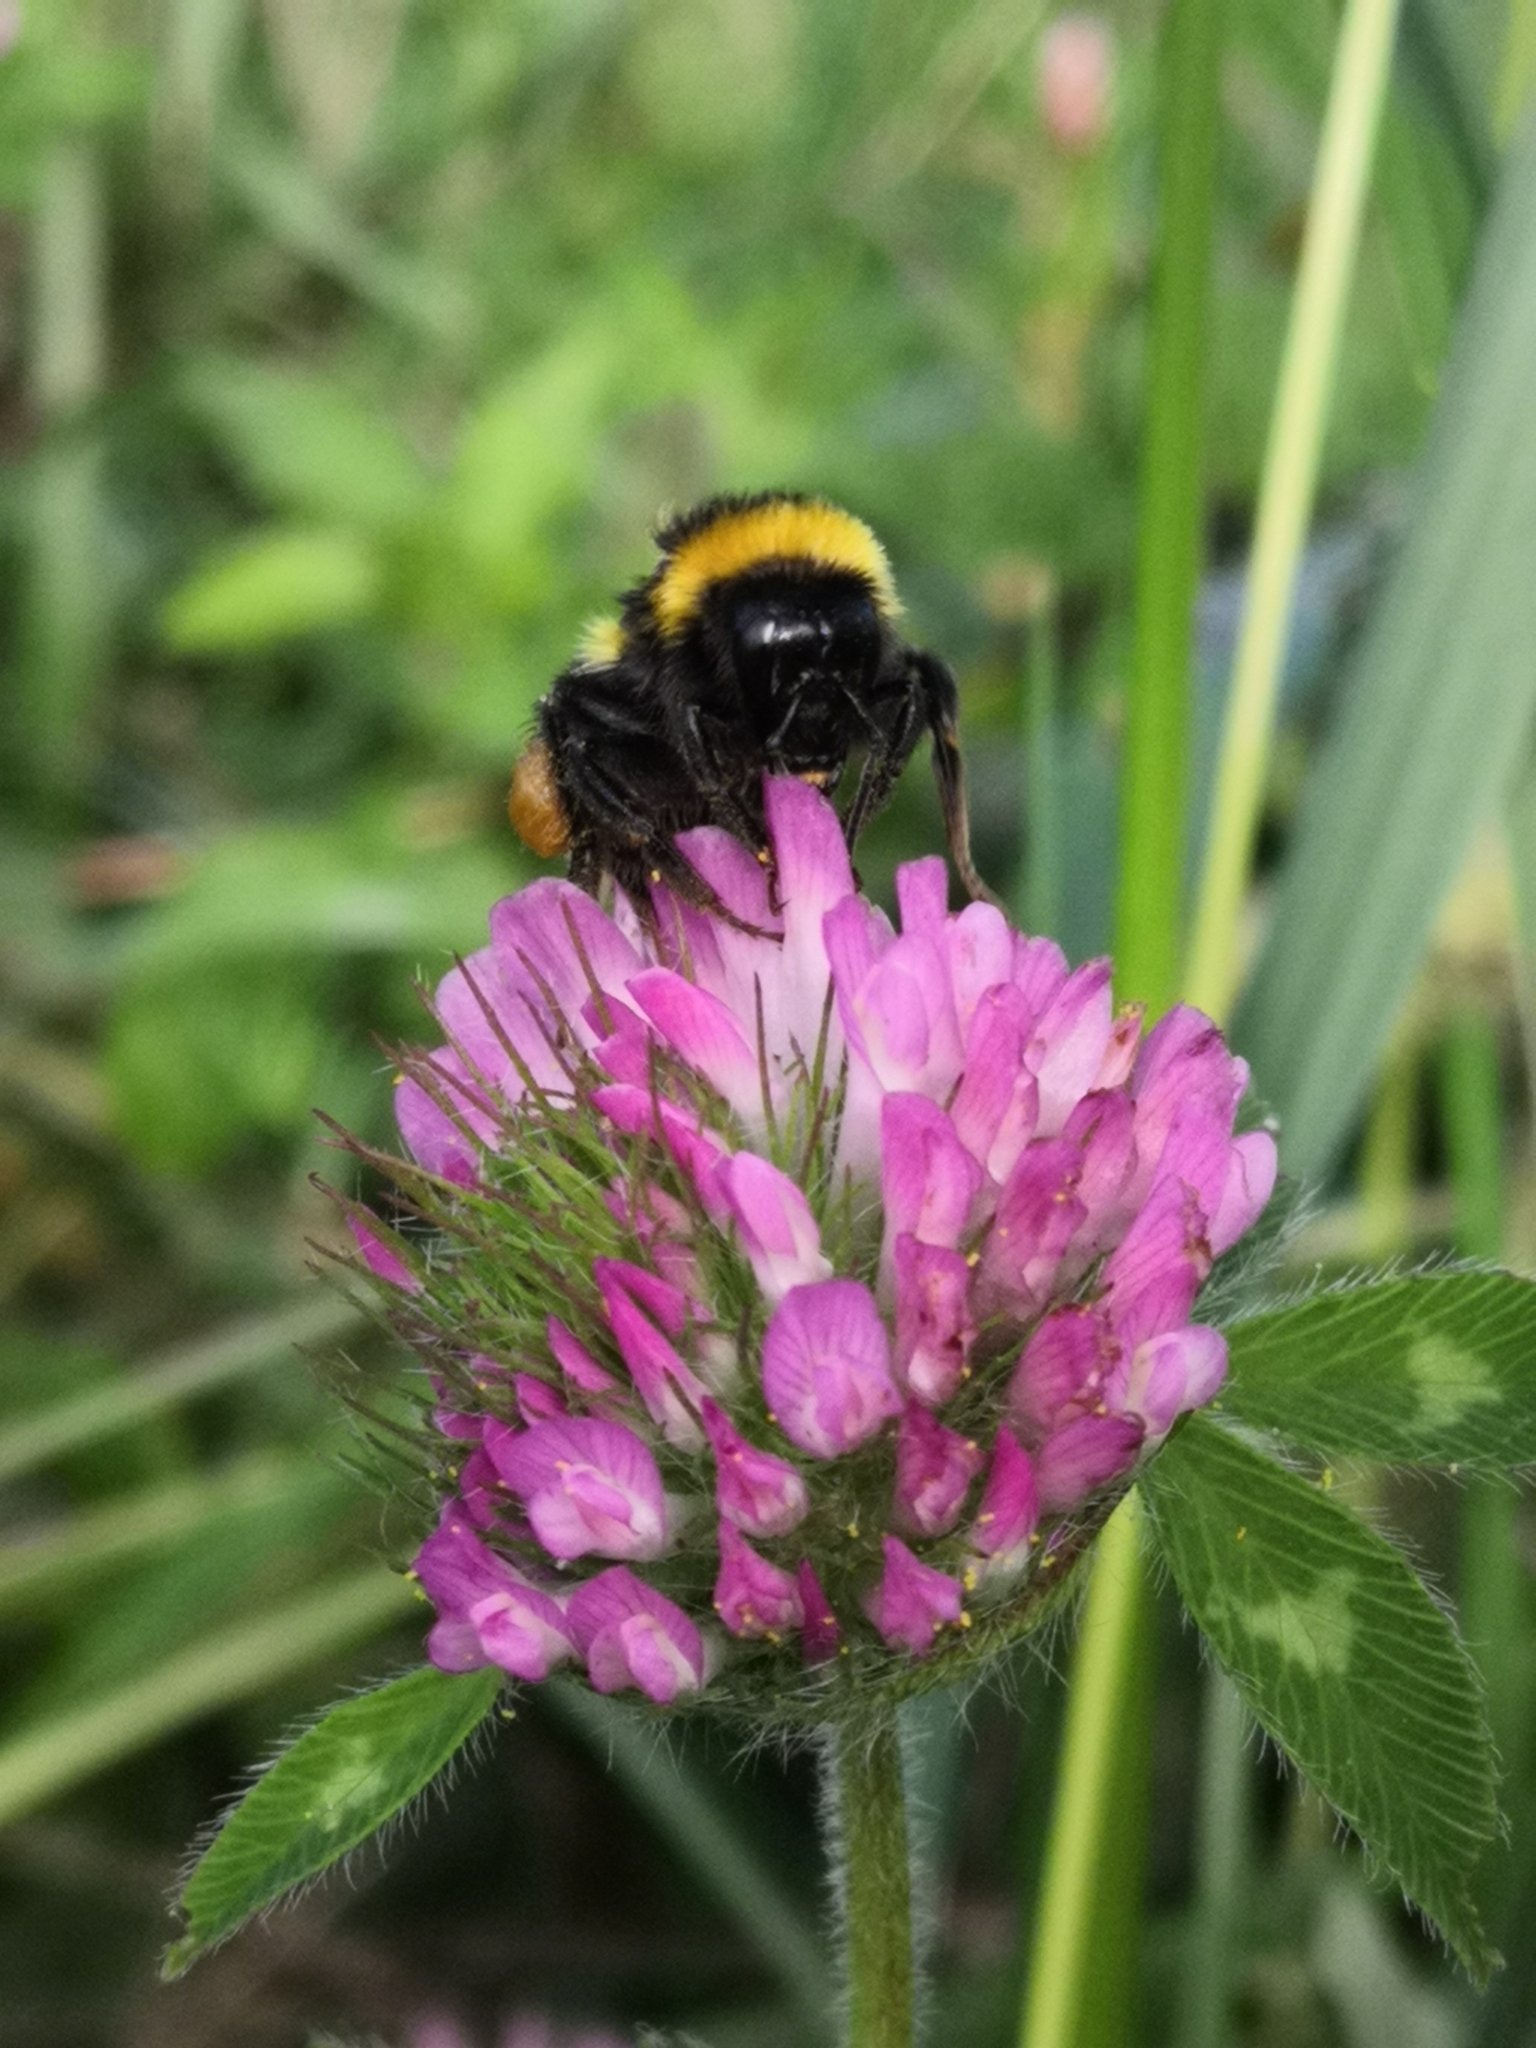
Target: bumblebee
[764,640]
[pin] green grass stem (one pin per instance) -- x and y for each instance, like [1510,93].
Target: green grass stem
[1288,490]
[242,1662]
[182,1375]
[1083,1966]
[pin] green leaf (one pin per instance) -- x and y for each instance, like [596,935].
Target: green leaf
[1429,728]
[194,1063]
[278,583]
[307,444]
[1435,1369]
[338,1784]
[1343,1658]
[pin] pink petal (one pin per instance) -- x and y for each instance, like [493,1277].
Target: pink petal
[558,938]
[752,1596]
[737,878]
[1085,1454]
[922,894]
[912,1602]
[487,1614]
[1152,1276]
[774,1223]
[576,1362]
[1250,1182]
[638,1110]
[978,946]
[590,1487]
[905,1019]
[1167,1375]
[760,1493]
[934,1328]
[928,1178]
[1037,1215]
[997,1105]
[934,1470]
[810,854]
[1010,1503]
[702,1031]
[826,1367]
[380,1257]
[632,1635]
[659,1298]
[667,1384]
[821,1638]
[1039,971]
[441,1129]
[1062,1367]
[1069,1043]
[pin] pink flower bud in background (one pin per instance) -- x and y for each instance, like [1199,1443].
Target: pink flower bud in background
[1075,81]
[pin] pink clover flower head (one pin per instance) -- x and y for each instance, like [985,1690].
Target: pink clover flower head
[797,1287]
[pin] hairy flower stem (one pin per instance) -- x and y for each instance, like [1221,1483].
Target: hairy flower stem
[876,1883]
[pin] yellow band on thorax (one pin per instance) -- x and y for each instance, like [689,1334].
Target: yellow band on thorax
[812,532]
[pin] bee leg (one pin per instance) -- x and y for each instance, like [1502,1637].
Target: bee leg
[889,750]
[941,702]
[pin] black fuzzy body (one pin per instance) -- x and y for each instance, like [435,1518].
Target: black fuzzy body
[789,667]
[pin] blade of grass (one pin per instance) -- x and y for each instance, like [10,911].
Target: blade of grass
[66,611]
[1288,490]
[40,1572]
[236,1664]
[1431,727]
[1083,1970]
[1495,1608]
[680,1808]
[181,1375]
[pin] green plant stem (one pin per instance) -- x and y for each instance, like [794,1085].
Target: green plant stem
[1517,68]
[1223,1847]
[1289,486]
[1069,1967]
[876,1880]
[1386,1161]
[1148,936]
[1494,1603]
[1082,1969]
[1039,903]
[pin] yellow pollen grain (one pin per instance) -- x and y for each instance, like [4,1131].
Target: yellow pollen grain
[853,1530]
[1242,1532]
[965,1619]
[815,532]
[1325,1478]
[968,1578]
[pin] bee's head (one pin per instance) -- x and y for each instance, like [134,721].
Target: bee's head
[803,649]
